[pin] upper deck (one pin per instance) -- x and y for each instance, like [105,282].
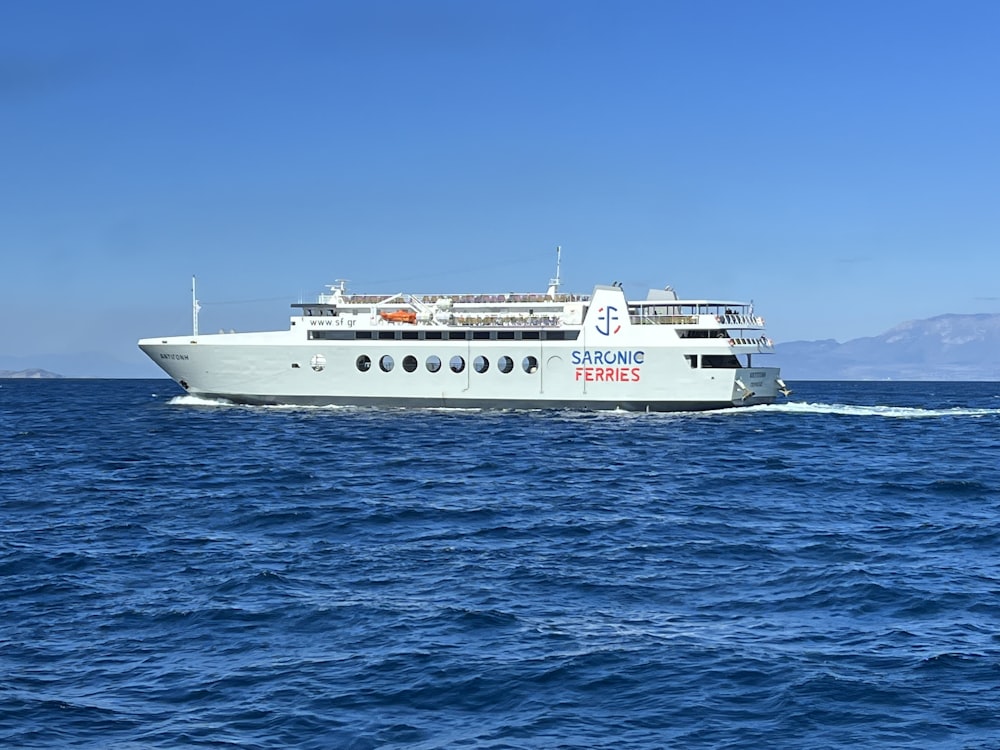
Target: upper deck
[694,318]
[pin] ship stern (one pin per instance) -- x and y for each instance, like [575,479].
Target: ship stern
[758,385]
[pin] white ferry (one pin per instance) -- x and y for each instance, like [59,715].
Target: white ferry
[520,351]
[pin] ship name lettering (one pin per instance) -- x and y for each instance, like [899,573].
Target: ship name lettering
[608,357]
[608,374]
[165,355]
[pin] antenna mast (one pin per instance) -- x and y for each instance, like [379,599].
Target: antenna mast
[554,283]
[195,307]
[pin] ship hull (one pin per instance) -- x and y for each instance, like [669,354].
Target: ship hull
[273,369]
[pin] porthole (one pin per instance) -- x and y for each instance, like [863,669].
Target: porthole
[386,363]
[530,364]
[409,363]
[457,363]
[318,362]
[433,363]
[481,364]
[363,363]
[505,364]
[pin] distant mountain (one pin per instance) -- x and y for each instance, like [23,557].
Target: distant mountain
[85,364]
[947,347]
[35,373]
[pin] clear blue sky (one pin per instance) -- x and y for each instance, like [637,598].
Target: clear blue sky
[836,162]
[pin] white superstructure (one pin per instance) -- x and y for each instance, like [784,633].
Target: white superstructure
[548,350]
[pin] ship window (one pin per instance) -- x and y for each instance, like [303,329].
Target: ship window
[387,334]
[505,364]
[720,361]
[409,363]
[363,334]
[480,335]
[433,363]
[505,335]
[432,335]
[481,364]
[409,335]
[363,363]
[531,334]
[331,335]
[295,365]
[457,335]
[562,335]
[692,360]
[457,363]
[386,363]
[530,364]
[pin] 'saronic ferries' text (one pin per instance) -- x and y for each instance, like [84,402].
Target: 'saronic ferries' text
[608,357]
[605,365]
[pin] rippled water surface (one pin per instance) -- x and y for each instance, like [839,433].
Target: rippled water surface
[821,573]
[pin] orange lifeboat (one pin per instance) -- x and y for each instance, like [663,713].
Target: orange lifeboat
[399,316]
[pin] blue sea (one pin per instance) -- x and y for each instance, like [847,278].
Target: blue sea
[822,573]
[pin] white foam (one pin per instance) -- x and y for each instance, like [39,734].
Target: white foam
[854,410]
[791,407]
[188,400]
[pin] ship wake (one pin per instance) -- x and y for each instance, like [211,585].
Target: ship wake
[876,410]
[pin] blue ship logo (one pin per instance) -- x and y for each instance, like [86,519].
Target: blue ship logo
[606,319]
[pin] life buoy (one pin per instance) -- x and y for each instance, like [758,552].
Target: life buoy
[732,342]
